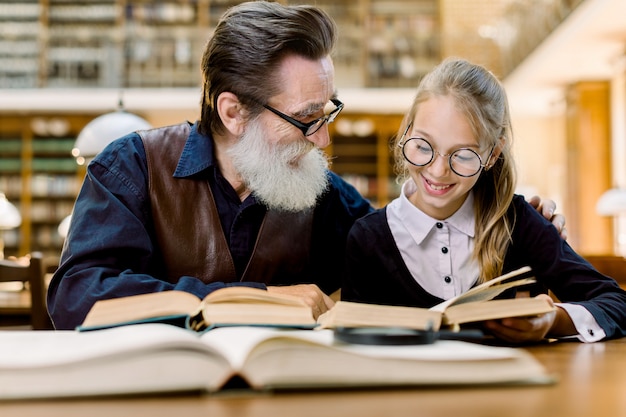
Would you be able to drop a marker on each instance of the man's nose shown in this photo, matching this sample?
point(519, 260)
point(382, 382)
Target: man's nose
point(321, 138)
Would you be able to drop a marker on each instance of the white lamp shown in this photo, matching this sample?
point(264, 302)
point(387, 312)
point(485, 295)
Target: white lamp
point(612, 202)
point(9, 219)
point(102, 130)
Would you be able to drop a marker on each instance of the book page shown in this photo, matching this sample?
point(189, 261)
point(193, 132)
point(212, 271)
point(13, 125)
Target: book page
point(140, 307)
point(30, 349)
point(496, 309)
point(145, 358)
point(349, 314)
point(488, 290)
point(294, 359)
point(250, 295)
point(216, 314)
point(236, 343)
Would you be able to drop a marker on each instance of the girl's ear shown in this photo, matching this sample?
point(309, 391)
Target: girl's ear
point(231, 112)
point(495, 154)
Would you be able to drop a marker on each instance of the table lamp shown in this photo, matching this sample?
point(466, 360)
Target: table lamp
point(9, 219)
point(104, 129)
point(613, 203)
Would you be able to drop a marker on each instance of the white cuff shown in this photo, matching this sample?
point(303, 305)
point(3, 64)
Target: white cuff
point(586, 325)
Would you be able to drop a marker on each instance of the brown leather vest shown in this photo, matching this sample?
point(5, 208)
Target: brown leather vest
point(189, 232)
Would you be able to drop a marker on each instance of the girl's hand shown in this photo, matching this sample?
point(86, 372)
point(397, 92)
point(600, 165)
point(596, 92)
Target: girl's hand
point(523, 329)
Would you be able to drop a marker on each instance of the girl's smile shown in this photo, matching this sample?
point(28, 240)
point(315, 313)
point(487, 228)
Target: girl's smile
point(436, 188)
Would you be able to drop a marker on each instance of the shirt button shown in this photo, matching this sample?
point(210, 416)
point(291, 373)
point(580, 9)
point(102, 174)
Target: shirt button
point(444, 250)
point(590, 331)
point(439, 225)
point(447, 279)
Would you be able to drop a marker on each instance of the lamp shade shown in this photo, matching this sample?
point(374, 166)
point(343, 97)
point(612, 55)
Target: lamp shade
point(612, 202)
point(102, 130)
point(9, 214)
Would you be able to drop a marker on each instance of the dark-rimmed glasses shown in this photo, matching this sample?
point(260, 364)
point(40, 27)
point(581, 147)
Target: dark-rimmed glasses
point(464, 162)
point(310, 128)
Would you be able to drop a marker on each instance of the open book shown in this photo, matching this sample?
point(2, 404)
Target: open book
point(252, 306)
point(157, 358)
point(475, 305)
point(226, 306)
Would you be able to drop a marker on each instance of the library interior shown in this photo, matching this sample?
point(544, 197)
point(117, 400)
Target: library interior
point(76, 75)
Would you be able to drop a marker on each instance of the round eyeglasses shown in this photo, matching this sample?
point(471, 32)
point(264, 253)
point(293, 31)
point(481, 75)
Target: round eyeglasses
point(418, 151)
point(311, 127)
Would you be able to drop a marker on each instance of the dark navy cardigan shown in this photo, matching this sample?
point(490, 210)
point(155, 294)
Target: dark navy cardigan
point(376, 273)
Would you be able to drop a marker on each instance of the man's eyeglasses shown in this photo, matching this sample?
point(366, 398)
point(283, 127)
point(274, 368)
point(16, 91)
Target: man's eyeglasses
point(464, 162)
point(310, 128)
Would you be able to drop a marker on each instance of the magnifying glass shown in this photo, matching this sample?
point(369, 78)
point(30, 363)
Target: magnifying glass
point(401, 336)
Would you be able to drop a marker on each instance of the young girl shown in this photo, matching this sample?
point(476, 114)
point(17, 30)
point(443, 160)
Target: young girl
point(458, 222)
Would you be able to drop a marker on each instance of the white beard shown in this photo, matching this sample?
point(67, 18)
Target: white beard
point(269, 172)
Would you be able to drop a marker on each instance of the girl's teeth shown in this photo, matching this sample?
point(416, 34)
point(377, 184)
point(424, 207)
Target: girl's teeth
point(439, 187)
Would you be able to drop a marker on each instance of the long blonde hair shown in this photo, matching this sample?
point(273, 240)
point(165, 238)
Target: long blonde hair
point(481, 97)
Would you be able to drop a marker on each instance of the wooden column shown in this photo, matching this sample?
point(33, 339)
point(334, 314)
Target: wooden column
point(588, 166)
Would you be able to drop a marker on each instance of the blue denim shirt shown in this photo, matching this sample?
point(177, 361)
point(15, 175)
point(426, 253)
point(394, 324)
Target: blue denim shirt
point(110, 248)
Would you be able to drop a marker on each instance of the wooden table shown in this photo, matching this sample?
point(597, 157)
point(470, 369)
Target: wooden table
point(592, 382)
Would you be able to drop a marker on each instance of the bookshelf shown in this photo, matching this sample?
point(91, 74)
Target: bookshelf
point(402, 42)
point(39, 175)
point(81, 46)
point(163, 42)
point(145, 44)
point(20, 43)
point(361, 153)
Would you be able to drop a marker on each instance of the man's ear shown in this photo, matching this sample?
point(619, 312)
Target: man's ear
point(231, 112)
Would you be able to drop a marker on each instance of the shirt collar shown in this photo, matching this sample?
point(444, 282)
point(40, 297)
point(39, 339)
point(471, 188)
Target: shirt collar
point(420, 224)
point(198, 154)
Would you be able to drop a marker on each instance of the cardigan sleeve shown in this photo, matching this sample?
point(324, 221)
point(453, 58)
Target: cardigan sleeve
point(563, 271)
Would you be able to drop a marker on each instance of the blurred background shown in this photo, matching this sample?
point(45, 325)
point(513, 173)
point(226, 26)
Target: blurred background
point(65, 65)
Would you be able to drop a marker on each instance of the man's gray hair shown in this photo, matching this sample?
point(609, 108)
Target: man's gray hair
point(247, 47)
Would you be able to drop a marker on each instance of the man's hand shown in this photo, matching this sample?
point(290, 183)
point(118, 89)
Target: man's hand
point(547, 209)
point(310, 294)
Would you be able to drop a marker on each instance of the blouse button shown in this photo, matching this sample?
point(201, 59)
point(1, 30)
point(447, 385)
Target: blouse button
point(444, 250)
point(447, 279)
point(439, 225)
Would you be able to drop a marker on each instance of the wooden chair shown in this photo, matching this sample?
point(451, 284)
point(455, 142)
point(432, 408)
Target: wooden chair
point(26, 305)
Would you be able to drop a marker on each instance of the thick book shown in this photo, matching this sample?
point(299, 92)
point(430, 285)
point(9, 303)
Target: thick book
point(160, 358)
point(223, 307)
point(475, 305)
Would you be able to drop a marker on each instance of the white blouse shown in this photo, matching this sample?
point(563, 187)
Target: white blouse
point(447, 244)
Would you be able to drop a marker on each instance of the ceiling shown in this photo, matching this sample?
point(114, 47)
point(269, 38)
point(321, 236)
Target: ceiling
point(589, 45)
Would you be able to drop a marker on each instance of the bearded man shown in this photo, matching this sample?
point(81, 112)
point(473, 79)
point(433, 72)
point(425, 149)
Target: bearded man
point(241, 197)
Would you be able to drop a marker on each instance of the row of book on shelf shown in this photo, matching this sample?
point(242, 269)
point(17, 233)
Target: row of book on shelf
point(42, 185)
point(44, 236)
